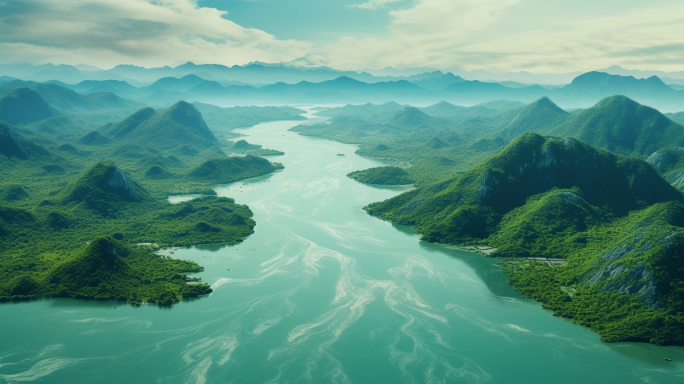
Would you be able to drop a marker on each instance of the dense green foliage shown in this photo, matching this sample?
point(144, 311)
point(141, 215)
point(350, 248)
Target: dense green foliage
point(535, 117)
point(245, 148)
point(44, 241)
point(433, 147)
point(53, 201)
point(222, 171)
point(107, 269)
point(389, 175)
point(621, 125)
point(470, 205)
point(612, 218)
point(180, 125)
point(624, 279)
point(13, 144)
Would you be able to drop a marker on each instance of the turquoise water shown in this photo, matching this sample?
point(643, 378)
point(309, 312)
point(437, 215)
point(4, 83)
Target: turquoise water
point(322, 293)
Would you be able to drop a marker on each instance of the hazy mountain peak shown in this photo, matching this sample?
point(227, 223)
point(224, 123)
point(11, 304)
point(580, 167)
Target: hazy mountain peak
point(620, 124)
point(186, 114)
point(617, 100)
point(410, 116)
point(545, 102)
point(23, 106)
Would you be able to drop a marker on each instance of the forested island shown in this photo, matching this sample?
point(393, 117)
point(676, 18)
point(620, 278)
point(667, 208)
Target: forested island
point(82, 213)
point(389, 175)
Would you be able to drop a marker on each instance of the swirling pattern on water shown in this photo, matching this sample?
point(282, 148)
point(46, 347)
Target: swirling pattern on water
point(321, 293)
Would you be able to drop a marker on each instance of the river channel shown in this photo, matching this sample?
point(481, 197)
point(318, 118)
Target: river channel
point(321, 293)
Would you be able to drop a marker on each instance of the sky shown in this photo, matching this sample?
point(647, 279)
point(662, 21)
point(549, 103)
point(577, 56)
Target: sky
point(538, 36)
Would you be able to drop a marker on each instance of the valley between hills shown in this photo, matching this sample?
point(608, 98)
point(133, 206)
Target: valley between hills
point(86, 170)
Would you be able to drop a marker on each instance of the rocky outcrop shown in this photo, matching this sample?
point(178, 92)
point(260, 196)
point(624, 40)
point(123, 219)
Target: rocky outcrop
point(489, 182)
point(118, 181)
point(622, 271)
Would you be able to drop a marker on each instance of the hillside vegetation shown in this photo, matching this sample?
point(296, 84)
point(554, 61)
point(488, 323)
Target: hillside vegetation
point(613, 219)
point(42, 246)
point(389, 175)
point(75, 206)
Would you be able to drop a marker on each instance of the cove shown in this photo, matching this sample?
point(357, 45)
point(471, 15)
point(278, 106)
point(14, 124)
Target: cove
point(321, 293)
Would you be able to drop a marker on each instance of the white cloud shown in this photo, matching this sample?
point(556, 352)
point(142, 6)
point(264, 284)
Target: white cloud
point(373, 4)
point(497, 35)
point(141, 32)
point(493, 35)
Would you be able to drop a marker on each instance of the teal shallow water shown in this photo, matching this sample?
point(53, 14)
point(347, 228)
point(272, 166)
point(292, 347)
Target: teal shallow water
point(321, 292)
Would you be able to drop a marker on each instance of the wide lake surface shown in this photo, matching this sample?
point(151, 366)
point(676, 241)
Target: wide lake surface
point(322, 293)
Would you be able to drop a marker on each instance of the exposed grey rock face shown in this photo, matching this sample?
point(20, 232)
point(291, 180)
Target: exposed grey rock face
point(571, 197)
point(569, 143)
point(668, 162)
point(489, 182)
point(410, 207)
point(661, 160)
point(623, 273)
point(118, 181)
point(676, 178)
point(189, 116)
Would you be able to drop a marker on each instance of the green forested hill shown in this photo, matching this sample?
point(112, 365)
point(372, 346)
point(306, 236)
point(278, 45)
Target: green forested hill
point(182, 124)
point(468, 206)
point(103, 188)
point(41, 247)
point(228, 170)
point(614, 220)
point(24, 106)
point(433, 147)
point(623, 126)
point(389, 175)
point(535, 117)
point(243, 147)
point(71, 221)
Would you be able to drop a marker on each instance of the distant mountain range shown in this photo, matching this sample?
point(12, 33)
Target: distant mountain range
point(583, 92)
point(263, 84)
point(257, 73)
